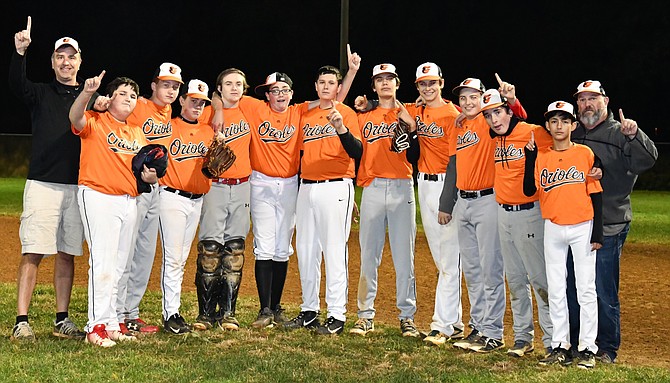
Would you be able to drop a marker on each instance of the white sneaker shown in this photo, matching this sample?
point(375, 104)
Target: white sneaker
point(98, 337)
point(118, 336)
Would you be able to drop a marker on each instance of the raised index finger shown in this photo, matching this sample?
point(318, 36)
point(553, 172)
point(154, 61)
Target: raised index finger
point(500, 81)
point(532, 136)
point(348, 50)
point(29, 25)
point(621, 115)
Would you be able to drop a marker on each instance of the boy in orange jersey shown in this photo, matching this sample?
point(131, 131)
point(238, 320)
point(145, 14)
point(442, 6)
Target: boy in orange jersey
point(330, 144)
point(471, 169)
point(181, 193)
point(519, 222)
point(560, 174)
point(225, 221)
point(107, 191)
point(388, 199)
point(153, 116)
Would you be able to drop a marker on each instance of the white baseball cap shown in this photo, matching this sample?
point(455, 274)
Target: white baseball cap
point(67, 41)
point(428, 71)
point(272, 79)
point(169, 71)
point(561, 106)
point(383, 68)
point(473, 83)
point(198, 89)
point(590, 86)
point(491, 99)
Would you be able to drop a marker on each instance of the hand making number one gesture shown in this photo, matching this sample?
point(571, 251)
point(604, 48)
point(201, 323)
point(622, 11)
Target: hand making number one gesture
point(628, 126)
point(506, 90)
point(22, 38)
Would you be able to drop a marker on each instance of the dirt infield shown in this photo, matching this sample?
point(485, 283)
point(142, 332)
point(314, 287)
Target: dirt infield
point(644, 284)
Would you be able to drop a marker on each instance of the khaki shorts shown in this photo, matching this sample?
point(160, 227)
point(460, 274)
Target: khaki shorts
point(50, 221)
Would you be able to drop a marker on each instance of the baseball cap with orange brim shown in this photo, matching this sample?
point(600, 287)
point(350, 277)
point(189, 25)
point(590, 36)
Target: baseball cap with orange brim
point(167, 72)
point(472, 83)
point(271, 80)
point(382, 69)
point(491, 99)
point(428, 71)
point(197, 89)
point(63, 41)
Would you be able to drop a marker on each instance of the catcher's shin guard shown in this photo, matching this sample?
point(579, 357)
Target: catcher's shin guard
point(208, 277)
point(233, 261)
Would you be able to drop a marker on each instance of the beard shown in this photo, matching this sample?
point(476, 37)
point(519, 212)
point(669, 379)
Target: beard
point(592, 119)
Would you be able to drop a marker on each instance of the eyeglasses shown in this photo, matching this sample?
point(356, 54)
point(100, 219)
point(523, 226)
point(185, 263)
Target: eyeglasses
point(277, 92)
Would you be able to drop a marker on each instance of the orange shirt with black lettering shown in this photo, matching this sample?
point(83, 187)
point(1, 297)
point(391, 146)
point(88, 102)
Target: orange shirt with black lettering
point(324, 156)
point(275, 137)
point(510, 162)
point(107, 150)
point(238, 136)
point(378, 161)
point(188, 144)
point(563, 184)
point(434, 129)
point(474, 149)
point(153, 119)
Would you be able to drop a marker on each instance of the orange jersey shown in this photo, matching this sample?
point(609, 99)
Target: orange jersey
point(188, 144)
point(154, 121)
point(564, 188)
point(378, 161)
point(510, 162)
point(238, 137)
point(435, 128)
point(275, 141)
point(474, 148)
point(107, 150)
point(324, 156)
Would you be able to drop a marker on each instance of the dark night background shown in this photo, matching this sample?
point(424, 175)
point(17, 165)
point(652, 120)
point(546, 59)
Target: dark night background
point(544, 48)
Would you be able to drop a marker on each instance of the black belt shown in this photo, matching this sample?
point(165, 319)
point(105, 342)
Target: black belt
point(475, 194)
point(431, 177)
point(182, 193)
point(305, 181)
point(523, 206)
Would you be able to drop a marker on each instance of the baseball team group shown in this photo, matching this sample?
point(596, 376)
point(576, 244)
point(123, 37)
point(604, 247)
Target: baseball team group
point(545, 207)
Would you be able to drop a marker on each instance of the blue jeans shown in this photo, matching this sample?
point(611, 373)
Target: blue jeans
point(607, 288)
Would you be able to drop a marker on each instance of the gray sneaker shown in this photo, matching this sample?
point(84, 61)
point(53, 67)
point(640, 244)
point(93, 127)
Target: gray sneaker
point(22, 333)
point(520, 348)
point(68, 330)
point(265, 319)
point(469, 340)
point(408, 328)
point(362, 327)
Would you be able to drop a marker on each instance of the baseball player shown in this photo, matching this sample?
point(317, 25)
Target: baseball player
point(519, 221)
point(181, 192)
point(560, 175)
point(387, 200)
point(225, 221)
point(50, 222)
point(330, 143)
point(153, 116)
point(435, 121)
point(625, 152)
point(471, 169)
point(106, 197)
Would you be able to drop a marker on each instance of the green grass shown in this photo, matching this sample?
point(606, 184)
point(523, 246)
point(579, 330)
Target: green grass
point(263, 356)
point(11, 195)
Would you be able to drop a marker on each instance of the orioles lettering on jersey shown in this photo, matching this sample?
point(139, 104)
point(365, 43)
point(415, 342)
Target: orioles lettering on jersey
point(509, 153)
point(550, 180)
point(156, 131)
point(181, 151)
point(372, 132)
point(122, 145)
point(269, 134)
point(236, 131)
point(317, 132)
point(429, 131)
point(467, 140)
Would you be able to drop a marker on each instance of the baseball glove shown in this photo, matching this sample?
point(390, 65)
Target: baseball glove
point(400, 141)
point(218, 159)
